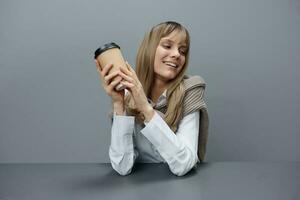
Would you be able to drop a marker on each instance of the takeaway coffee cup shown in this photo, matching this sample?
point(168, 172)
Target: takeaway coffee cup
point(111, 53)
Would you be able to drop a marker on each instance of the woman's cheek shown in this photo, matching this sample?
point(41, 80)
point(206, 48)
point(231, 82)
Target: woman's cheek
point(182, 62)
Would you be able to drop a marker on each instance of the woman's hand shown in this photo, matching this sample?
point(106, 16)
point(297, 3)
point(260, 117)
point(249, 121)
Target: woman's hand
point(134, 86)
point(109, 84)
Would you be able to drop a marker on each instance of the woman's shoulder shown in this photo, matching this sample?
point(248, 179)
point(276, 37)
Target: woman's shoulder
point(193, 81)
point(194, 94)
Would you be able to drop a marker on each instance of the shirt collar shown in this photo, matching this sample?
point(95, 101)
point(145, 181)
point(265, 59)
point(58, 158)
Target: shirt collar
point(161, 99)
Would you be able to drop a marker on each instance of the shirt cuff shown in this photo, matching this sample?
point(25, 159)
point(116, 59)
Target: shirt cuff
point(123, 124)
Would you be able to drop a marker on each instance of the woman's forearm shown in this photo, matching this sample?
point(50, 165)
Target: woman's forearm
point(121, 150)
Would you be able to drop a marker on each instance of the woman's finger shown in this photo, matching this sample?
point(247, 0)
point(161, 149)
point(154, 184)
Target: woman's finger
point(97, 63)
point(131, 70)
point(110, 76)
point(126, 77)
point(129, 67)
point(127, 84)
point(114, 83)
point(97, 66)
point(106, 69)
point(126, 71)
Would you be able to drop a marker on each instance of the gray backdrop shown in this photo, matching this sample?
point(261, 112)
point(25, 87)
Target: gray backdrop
point(52, 105)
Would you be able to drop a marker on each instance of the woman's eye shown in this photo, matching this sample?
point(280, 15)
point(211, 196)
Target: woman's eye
point(182, 52)
point(167, 46)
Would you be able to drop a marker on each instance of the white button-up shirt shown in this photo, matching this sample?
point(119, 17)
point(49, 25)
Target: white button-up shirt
point(154, 143)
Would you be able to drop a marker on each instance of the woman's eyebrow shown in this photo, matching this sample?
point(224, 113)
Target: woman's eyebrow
point(171, 41)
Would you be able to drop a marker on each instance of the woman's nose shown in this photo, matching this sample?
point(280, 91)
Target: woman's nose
point(175, 53)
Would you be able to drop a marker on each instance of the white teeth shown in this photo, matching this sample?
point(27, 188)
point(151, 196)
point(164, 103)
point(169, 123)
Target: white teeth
point(171, 64)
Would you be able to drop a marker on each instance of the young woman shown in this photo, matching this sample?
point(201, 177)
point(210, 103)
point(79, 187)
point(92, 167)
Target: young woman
point(161, 115)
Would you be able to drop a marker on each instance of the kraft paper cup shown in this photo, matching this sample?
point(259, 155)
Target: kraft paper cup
point(111, 53)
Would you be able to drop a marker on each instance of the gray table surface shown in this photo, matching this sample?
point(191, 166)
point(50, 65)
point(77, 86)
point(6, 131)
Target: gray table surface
point(219, 180)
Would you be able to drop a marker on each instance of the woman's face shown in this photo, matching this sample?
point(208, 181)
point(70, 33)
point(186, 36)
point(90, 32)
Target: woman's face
point(170, 56)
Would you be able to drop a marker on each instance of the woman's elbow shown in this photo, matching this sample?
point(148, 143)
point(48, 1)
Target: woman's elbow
point(122, 171)
point(121, 163)
point(182, 168)
point(179, 173)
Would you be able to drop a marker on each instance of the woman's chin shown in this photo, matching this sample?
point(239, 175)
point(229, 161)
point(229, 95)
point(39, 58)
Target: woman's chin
point(170, 77)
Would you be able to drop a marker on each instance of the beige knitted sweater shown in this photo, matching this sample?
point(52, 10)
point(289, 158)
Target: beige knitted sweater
point(193, 101)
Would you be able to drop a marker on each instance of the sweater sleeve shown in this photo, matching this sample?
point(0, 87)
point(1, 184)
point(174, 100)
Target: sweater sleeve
point(121, 151)
point(179, 150)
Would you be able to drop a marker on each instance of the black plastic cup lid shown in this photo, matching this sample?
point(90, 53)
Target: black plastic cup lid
point(105, 47)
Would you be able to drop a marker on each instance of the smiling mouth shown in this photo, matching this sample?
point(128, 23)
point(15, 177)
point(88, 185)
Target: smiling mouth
point(173, 65)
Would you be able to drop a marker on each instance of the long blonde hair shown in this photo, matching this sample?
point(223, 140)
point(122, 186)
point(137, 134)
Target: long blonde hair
point(145, 73)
